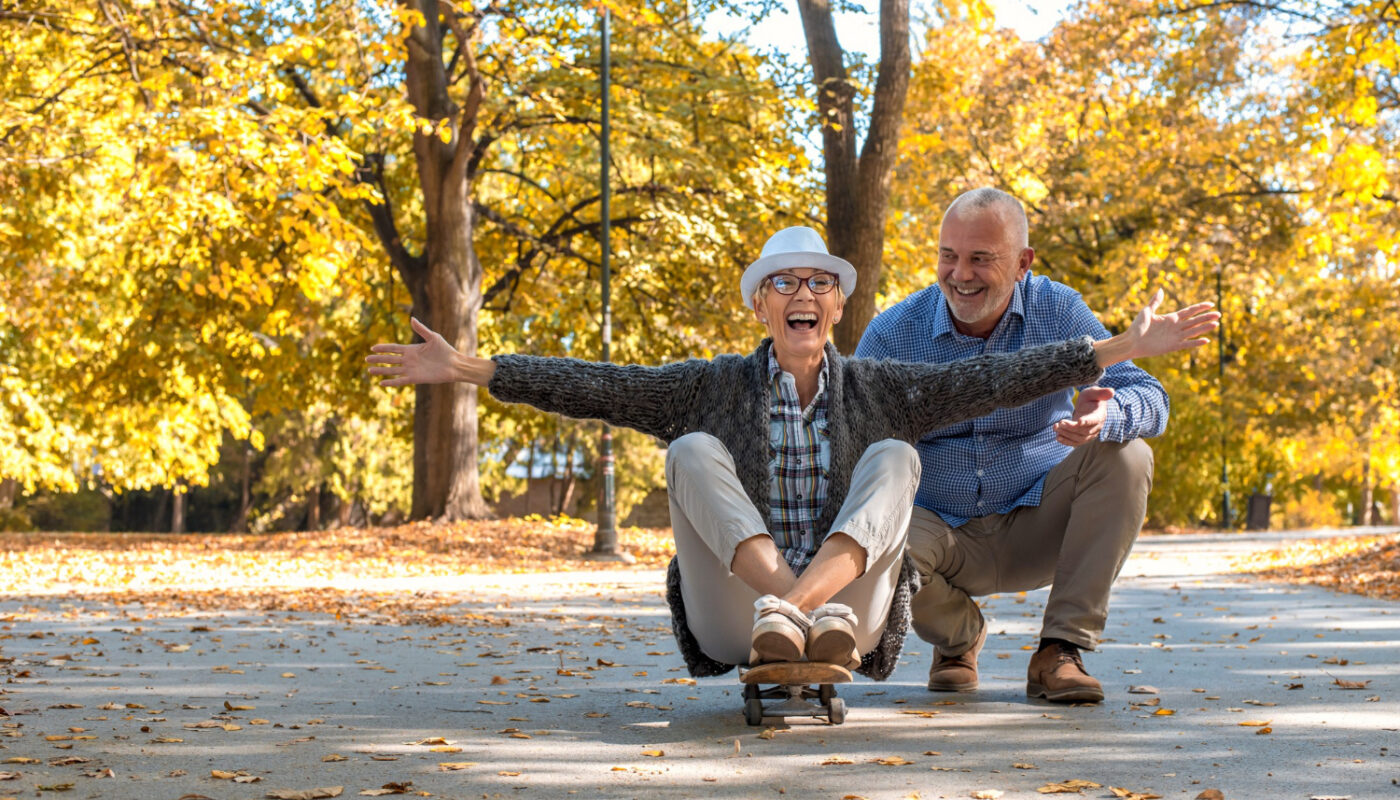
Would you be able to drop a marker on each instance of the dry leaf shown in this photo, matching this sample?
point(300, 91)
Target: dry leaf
point(1057, 788)
point(1020, 765)
point(986, 794)
point(1338, 682)
point(1142, 690)
point(1211, 794)
point(892, 761)
point(654, 753)
point(389, 788)
point(1263, 731)
point(305, 794)
point(1163, 712)
point(334, 757)
point(1254, 723)
point(453, 766)
point(835, 760)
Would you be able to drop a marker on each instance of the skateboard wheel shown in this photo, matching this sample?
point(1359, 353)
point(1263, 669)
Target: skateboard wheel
point(836, 712)
point(750, 691)
point(825, 693)
point(753, 711)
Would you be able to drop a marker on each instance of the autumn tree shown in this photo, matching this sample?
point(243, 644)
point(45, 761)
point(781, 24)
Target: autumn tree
point(857, 174)
point(227, 202)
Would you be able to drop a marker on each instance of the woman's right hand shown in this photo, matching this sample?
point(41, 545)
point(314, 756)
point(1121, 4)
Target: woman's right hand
point(432, 361)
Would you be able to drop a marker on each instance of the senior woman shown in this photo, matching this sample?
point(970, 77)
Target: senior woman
point(790, 470)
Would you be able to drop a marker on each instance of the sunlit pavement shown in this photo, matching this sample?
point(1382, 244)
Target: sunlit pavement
point(569, 685)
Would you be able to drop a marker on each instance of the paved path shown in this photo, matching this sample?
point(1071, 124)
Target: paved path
point(565, 686)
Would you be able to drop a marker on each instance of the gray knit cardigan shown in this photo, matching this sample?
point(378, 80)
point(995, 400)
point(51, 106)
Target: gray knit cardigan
point(728, 398)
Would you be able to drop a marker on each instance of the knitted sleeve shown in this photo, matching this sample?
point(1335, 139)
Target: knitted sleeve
point(654, 400)
point(931, 396)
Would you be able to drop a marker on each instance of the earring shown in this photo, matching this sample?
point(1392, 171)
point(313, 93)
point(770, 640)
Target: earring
point(764, 320)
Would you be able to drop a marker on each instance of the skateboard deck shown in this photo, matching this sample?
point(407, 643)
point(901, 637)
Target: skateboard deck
point(793, 689)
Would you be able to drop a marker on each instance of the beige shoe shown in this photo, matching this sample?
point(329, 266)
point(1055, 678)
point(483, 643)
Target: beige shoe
point(832, 637)
point(956, 673)
point(779, 631)
point(1057, 674)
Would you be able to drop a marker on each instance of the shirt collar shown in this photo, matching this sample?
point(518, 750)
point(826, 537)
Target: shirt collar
point(774, 371)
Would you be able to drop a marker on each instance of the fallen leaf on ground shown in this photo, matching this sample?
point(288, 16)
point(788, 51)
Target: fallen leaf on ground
point(835, 760)
point(305, 794)
point(453, 766)
point(1074, 786)
point(986, 794)
point(1341, 684)
point(1129, 794)
point(654, 753)
point(389, 788)
point(1211, 794)
point(892, 761)
point(1254, 723)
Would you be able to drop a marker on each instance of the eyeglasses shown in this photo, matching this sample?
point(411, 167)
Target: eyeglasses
point(787, 283)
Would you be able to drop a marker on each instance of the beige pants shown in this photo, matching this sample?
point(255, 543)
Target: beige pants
point(711, 515)
point(1076, 540)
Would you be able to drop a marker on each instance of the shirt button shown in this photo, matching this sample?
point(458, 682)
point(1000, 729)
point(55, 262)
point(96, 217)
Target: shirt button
point(799, 497)
point(980, 504)
point(980, 473)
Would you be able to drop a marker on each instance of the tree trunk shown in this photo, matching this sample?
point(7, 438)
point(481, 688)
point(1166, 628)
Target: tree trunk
point(858, 186)
point(1395, 503)
point(245, 494)
point(9, 490)
point(1367, 488)
point(445, 281)
point(313, 508)
point(177, 510)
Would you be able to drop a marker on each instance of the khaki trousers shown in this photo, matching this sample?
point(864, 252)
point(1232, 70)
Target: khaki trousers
point(1076, 540)
point(711, 515)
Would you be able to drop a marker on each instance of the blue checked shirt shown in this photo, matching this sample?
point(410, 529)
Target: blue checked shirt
point(801, 456)
point(998, 462)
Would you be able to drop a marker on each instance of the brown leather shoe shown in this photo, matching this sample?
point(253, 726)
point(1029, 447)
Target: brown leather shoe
point(1057, 674)
point(956, 673)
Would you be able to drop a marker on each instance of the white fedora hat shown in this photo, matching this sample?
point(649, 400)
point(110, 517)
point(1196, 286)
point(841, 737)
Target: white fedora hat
point(795, 248)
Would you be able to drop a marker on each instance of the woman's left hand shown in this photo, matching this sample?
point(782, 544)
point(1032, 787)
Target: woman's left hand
point(1153, 334)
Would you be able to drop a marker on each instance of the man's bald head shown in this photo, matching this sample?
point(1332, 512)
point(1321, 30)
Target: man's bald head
point(1004, 205)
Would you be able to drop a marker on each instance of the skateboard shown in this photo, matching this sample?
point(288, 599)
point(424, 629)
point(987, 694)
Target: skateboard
point(793, 686)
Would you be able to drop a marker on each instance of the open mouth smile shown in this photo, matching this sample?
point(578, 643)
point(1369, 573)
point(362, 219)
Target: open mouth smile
point(802, 320)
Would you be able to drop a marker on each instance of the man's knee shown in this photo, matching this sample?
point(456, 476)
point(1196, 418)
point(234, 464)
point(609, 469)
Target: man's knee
point(1132, 459)
point(690, 451)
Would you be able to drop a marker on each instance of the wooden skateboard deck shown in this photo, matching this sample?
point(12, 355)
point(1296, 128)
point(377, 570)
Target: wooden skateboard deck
point(793, 686)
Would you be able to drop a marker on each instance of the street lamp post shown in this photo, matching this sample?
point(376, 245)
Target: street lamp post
point(605, 539)
point(1224, 420)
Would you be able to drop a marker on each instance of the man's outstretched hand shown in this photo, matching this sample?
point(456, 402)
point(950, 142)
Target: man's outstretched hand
point(1087, 421)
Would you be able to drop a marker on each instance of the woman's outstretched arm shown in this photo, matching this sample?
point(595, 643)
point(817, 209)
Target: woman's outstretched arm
point(658, 401)
point(431, 361)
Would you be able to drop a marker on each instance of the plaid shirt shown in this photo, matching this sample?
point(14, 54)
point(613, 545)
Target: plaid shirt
point(998, 462)
point(801, 458)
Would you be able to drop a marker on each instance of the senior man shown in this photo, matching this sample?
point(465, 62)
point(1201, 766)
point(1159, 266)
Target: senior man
point(1053, 492)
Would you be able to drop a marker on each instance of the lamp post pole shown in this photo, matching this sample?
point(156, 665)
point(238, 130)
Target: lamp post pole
point(605, 539)
point(1224, 426)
